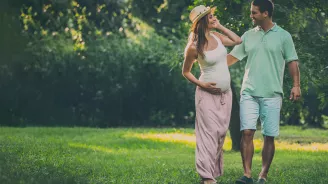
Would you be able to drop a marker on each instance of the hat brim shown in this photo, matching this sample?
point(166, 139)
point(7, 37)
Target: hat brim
point(212, 10)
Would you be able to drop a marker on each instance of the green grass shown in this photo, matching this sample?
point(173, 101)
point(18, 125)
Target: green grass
point(131, 156)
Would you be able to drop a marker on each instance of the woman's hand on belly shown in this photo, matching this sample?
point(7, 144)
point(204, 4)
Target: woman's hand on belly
point(210, 87)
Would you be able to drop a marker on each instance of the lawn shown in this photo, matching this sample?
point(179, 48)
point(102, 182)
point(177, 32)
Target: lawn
point(139, 155)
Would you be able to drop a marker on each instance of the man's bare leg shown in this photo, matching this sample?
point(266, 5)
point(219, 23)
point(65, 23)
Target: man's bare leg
point(247, 151)
point(267, 155)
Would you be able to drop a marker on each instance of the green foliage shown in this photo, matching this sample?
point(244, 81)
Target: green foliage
point(59, 85)
point(165, 16)
point(76, 71)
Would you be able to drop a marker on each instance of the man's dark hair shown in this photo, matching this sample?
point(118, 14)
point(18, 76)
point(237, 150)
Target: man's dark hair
point(264, 5)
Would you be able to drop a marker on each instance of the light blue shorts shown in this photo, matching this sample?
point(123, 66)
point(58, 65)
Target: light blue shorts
point(268, 109)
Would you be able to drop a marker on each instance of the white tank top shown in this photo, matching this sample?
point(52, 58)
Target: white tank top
point(214, 67)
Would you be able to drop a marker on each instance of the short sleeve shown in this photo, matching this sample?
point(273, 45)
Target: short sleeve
point(289, 51)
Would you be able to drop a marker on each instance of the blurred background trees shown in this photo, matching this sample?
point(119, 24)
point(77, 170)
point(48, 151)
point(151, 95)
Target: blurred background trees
point(109, 63)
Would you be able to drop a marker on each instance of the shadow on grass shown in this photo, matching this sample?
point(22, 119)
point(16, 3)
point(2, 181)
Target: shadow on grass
point(46, 161)
point(14, 170)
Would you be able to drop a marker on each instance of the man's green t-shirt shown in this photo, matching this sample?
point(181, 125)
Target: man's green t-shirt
point(267, 54)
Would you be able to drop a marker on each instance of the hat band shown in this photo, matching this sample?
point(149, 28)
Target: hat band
point(199, 14)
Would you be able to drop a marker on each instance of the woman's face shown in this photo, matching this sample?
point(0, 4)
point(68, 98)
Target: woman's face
point(211, 21)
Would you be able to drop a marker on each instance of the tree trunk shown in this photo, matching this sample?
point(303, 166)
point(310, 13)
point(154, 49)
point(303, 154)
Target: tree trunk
point(295, 118)
point(235, 133)
point(314, 117)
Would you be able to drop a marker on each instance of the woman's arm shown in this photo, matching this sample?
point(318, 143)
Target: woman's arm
point(231, 39)
point(189, 59)
point(231, 60)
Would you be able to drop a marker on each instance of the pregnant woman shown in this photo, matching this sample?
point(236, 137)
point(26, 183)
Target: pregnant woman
point(213, 96)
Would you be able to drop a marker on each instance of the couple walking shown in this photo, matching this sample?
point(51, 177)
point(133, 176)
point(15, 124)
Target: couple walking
point(268, 48)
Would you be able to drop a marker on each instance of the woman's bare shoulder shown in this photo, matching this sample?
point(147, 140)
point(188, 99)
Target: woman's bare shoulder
point(191, 49)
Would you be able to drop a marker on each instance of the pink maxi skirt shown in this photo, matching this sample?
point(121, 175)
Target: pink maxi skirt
point(212, 122)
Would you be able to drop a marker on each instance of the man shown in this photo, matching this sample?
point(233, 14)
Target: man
point(269, 48)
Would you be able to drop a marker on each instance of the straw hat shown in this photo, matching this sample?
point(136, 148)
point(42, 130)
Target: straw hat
point(200, 11)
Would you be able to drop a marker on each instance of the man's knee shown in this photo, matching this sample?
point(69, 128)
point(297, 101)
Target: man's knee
point(269, 139)
point(248, 134)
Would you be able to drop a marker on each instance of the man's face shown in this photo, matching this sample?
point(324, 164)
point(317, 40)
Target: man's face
point(256, 16)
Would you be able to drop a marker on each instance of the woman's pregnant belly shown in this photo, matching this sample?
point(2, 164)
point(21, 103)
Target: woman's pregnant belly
point(222, 79)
